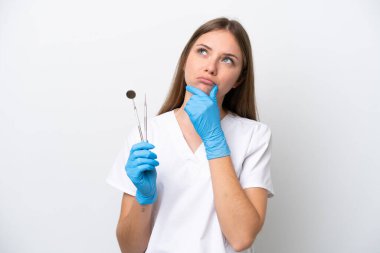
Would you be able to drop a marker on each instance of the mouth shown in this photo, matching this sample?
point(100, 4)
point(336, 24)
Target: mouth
point(205, 81)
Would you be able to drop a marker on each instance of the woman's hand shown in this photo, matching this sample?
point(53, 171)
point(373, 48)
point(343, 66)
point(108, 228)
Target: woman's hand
point(204, 113)
point(141, 169)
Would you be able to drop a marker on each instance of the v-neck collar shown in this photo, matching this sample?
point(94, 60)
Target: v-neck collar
point(182, 145)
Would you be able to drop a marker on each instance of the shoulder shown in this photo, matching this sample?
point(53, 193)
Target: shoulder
point(161, 117)
point(248, 126)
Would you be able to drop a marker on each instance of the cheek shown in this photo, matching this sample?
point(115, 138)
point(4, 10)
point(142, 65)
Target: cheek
point(229, 81)
point(231, 78)
point(190, 64)
point(189, 69)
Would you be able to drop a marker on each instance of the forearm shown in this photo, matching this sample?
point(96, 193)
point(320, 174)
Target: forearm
point(133, 231)
point(238, 218)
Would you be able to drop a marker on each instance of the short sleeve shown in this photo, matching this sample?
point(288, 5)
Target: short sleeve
point(117, 176)
point(256, 165)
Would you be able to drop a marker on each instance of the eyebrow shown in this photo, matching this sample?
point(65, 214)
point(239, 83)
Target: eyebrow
point(211, 50)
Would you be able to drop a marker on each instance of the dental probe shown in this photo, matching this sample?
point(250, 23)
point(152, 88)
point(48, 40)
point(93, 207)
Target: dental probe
point(145, 120)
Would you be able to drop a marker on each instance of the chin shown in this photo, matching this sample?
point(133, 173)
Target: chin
point(206, 88)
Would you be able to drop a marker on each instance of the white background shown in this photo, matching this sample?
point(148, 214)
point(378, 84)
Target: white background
point(65, 67)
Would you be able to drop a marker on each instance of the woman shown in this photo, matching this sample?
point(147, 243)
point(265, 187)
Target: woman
point(205, 186)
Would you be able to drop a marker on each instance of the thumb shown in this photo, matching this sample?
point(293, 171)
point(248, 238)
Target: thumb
point(214, 91)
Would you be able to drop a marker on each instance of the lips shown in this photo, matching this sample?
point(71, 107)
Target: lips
point(205, 80)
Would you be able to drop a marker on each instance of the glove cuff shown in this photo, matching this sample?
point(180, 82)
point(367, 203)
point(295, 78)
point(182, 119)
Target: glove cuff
point(146, 200)
point(217, 148)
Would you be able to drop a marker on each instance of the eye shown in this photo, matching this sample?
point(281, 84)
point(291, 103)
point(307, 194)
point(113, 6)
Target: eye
point(200, 50)
point(232, 62)
point(203, 51)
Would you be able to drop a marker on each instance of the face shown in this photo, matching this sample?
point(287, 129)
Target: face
point(215, 56)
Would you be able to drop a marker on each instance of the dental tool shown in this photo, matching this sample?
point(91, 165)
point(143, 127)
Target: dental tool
point(131, 94)
point(145, 120)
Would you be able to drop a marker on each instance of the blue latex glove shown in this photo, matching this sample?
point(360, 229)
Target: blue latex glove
point(141, 169)
point(204, 113)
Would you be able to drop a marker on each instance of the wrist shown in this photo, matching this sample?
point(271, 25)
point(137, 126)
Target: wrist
point(217, 148)
point(146, 200)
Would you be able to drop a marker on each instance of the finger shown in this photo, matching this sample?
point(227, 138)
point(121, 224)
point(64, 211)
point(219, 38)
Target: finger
point(195, 91)
point(142, 146)
point(198, 104)
point(214, 91)
point(140, 161)
point(198, 99)
point(145, 167)
point(190, 103)
point(188, 109)
point(143, 154)
point(192, 100)
point(193, 111)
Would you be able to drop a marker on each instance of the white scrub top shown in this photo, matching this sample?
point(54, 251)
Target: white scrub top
point(184, 214)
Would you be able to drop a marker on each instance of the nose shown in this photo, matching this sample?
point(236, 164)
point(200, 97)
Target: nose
point(211, 67)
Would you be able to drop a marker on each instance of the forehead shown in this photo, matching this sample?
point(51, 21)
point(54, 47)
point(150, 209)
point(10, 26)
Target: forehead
point(220, 40)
